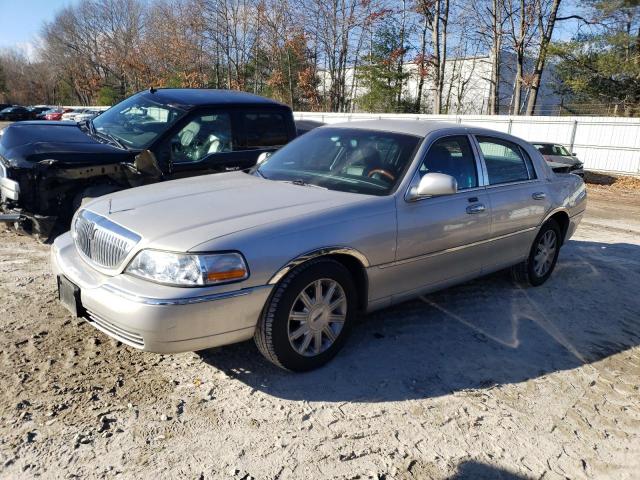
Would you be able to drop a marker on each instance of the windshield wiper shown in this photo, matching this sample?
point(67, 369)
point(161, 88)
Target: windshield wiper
point(112, 138)
point(302, 183)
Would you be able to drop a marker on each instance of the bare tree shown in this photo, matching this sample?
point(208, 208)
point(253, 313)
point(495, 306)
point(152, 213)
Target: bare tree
point(547, 13)
point(522, 26)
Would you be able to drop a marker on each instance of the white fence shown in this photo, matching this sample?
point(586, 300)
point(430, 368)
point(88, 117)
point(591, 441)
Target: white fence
point(608, 144)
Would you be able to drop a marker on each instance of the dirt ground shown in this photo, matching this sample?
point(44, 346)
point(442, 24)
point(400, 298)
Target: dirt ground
point(484, 380)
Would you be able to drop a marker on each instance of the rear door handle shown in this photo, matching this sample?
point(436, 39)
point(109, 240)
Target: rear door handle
point(477, 208)
point(539, 196)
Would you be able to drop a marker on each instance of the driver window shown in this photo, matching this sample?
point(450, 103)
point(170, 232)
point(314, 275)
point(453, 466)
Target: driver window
point(202, 136)
point(452, 156)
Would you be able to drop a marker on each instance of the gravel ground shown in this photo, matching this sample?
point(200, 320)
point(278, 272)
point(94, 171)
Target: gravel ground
point(484, 380)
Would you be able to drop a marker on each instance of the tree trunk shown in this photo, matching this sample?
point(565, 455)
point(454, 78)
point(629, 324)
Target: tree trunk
point(423, 54)
point(435, 35)
point(443, 53)
point(542, 56)
point(517, 91)
point(494, 95)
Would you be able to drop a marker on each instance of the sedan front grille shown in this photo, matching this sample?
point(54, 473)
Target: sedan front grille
point(103, 242)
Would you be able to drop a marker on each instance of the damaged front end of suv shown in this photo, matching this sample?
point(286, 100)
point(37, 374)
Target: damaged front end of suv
point(47, 171)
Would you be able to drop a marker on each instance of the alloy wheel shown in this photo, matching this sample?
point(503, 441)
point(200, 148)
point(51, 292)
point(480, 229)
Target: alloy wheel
point(545, 253)
point(317, 317)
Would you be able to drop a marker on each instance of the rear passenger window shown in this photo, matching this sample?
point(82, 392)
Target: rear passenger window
point(506, 162)
point(264, 129)
point(452, 156)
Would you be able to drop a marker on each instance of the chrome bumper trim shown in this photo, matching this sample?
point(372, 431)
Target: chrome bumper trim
point(181, 301)
point(125, 336)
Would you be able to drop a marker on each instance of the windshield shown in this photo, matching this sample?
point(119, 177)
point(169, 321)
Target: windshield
point(137, 121)
point(350, 160)
point(550, 149)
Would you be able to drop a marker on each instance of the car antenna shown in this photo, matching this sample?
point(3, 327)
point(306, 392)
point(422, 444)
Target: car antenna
point(152, 90)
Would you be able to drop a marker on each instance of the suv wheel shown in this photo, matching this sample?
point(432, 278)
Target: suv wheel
point(308, 316)
point(537, 268)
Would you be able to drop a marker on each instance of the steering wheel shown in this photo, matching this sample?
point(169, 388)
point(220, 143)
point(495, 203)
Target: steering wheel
point(383, 172)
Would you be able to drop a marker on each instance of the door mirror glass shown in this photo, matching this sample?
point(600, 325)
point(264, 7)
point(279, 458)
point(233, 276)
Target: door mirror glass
point(263, 157)
point(432, 185)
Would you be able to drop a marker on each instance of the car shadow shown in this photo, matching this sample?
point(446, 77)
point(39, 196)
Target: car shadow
point(483, 333)
point(473, 470)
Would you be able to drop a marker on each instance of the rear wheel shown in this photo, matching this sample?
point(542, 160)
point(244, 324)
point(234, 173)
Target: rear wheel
point(308, 316)
point(540, 263)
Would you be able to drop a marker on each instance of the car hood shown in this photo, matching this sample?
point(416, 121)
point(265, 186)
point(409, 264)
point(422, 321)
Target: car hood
point(31, 142)
point(181, 214)
point(562, 159)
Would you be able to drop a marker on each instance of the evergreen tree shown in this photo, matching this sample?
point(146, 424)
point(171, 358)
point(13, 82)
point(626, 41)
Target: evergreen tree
point(380, 78)
point(604, 65)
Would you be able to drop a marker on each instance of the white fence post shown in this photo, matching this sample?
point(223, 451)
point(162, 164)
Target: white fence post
point(573, 136)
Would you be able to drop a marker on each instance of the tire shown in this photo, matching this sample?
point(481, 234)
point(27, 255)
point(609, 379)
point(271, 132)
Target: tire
point(286, 315)
point(529, 273)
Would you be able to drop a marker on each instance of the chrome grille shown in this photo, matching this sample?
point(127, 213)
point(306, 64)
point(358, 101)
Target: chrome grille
point(102, 241)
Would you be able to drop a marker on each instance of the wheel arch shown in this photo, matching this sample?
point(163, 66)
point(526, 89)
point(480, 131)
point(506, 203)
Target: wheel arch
point(353, 260)
point(562, 218)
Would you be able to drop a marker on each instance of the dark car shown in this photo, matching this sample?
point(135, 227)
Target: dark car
point(305, 126)
point(38, 113)
point(15, 114)
point(559, 158)
point(47, 169)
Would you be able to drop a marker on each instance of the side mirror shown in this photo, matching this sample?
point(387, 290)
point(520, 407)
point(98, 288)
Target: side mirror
point(574, 154)
point(263, 157)
point(147, 164)
point(433, 185)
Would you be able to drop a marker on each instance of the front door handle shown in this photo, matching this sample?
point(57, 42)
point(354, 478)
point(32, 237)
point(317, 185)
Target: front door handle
point(477, 208)
point(539, 196)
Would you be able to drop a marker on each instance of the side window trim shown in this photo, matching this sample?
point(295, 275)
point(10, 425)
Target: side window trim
point(480, 172)
point(484, 164)
point(528, 162)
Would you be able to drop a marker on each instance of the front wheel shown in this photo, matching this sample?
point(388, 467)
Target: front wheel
point(539, 265)
point(308, 316)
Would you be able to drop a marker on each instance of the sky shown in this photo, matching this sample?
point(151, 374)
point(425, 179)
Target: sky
point(21, 20)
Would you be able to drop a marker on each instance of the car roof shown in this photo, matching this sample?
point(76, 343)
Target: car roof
point(196, 97)
point(420, 128)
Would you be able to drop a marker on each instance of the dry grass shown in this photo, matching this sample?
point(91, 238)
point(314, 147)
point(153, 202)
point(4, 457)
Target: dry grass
point(622, 182)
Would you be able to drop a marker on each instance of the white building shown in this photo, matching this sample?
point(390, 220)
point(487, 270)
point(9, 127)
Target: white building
point(467, 87)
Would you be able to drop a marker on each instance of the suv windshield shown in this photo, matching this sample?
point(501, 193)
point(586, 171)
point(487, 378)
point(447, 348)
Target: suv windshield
point(350, 160)
point(549, 149)
point(137, 121)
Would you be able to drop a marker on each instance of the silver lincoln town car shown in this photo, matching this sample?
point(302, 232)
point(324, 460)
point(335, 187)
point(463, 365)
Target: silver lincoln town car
point(346, 219)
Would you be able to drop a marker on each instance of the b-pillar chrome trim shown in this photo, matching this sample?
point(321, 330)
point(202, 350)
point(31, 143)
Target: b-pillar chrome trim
point(318, 253)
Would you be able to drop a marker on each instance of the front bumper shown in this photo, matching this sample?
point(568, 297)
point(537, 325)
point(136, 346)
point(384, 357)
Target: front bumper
point(158, 318)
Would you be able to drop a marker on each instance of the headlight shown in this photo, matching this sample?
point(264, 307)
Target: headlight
point(188, 270)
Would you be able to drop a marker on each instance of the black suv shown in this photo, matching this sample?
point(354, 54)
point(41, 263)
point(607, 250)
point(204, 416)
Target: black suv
point(47, 169)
